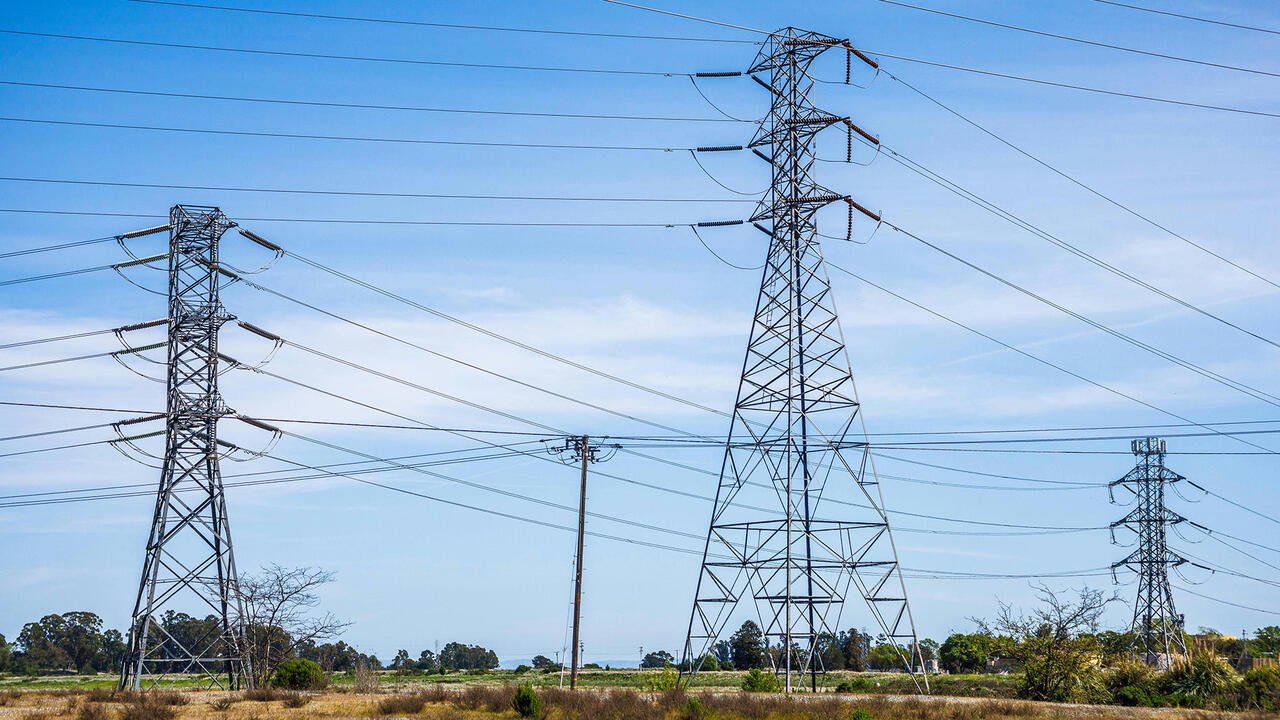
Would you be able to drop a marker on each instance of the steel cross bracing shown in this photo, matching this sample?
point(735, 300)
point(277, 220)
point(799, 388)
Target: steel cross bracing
point(189, 565)
point(795, 408)
point(1157, 626)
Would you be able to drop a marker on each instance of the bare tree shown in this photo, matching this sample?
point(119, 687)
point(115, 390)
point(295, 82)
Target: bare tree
point(278, 615)
point(1055, 644)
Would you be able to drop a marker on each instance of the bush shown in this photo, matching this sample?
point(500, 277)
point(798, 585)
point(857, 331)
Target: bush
point(1198, 678)
point(757, 681)
point(1261, 688)
point(296, 700)
point(92, 711)
point(410, 704)
point(526, 702)
point(147, 708)
point(522, 669)
point(298, 674)
point(693, 709)
point(860, 714)
point(854, 685)
point(1132, 696)
point(663, 680)
point(223, 704)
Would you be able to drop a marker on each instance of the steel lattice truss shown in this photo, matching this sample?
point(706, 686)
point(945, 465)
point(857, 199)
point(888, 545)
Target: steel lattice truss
point(769, 548)
point(1157, 626)
point(189, 565)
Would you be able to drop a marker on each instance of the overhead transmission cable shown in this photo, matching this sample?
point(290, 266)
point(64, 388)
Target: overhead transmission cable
point(335, 221)
point(369, 106)
point(57, 246)
point(344, 138)
point(362, 193)
point(357, 58)
point(1000, 212)
point(1190, 17)
point(1082, 41)
point(450, 26)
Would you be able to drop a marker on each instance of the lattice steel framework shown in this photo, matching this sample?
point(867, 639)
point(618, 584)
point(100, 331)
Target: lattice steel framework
point(189, 563)
point(1157, 626)
point(795, 409)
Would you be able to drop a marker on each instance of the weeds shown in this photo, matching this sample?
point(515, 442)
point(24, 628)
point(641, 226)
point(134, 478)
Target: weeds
point(403, 704)
point(147, 707)
point(92, 711)
point(223, 704)
point(10, 696)
point(264, 694)
point(296, 700)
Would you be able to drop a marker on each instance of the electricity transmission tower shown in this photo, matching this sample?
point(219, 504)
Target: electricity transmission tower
point(1157, 626)
point(769, 548)
point(189, 562)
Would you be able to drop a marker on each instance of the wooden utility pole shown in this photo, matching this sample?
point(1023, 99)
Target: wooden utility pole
point(585, 452)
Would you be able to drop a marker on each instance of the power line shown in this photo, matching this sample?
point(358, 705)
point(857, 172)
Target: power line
point(450, 26)
point(403, 61)
point(51, 276)
point(1079, 183)
point(368, 106)
point(1199, 370)
point(1229, 501)
point(57, 338)
point(11, 403)
point(1225, 602)
point(1020, 351)
point(335, 221)
point(343, 138)
point(357, 193)
point(1083, 41)
point(59, 246)
point(1190, 17)
point(1070, 86)
point(1073, 249)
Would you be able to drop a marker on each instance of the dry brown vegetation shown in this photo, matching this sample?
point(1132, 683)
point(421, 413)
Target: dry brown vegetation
point(493, 702)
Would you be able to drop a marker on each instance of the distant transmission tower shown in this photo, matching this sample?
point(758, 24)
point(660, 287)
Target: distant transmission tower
point(189, 564)
point(796, 405)
point(1157, 626)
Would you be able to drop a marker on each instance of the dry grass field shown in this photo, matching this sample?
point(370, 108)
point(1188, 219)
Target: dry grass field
point(491, 702)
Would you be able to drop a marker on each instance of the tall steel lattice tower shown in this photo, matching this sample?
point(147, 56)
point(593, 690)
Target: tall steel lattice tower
point(189, 565)
point(1157, 626)
point(768, 547)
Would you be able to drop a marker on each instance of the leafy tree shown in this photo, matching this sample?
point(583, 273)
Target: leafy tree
point(855, 646)
point(37, 643)
point(929, 649)
point(885, 656)
point(457, 656)
point(747, 648)
point(401, 661)
point(526, 702)
point(1055, 645)
point(1266, 642)
point(426, 660)
point(6, 655)
point(724, 654)
point(542, 662)
point(829, 652)
point(660, 658)
point(962, 653)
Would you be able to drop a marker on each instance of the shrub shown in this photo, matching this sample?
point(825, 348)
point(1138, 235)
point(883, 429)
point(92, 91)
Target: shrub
point(298, 674)
point(1198, 678)
point(663, 680)
point(92, 711)
point(854, 685)
point(860, 714)
point(757, 681)
point(365, 678)
point(296, 700)
point(526, 702)
point(410, 704)
point(262, 694)
point(147, 708)
point(1261, 688)
point(1132, 696)
point(693, 709)
point(223, 704)
point(522, 669)
point(1132, 674)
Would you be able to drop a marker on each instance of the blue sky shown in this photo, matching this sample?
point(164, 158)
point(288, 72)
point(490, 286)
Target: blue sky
point(647, 304)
